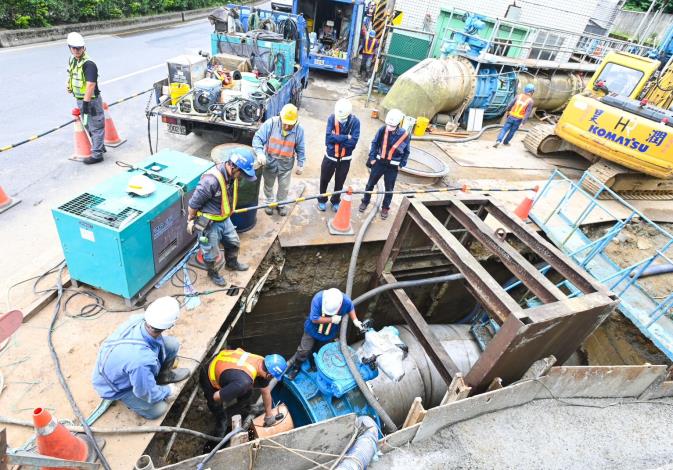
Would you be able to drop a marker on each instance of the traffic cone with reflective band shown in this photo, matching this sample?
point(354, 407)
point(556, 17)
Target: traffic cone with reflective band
point(112, 138)
point(341, 223)
point(82, 141)
point(6, 202)
point(525, 206)
point(54, 440)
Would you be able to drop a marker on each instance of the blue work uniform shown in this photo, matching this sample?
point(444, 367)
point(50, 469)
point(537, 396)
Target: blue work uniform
point(340, 141)
point(389, 151)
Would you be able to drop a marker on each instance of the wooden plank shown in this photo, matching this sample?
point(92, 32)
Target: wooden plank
point(458, 390)
point(416, 413)
point(391, 249)
point(433, 348)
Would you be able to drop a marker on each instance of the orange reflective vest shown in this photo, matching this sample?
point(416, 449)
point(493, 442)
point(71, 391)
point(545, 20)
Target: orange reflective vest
point(237, 359)
point(324, 328)
point(369, 46)
point(339, 151)
point(520, 106)
point(387, 153)
point(225, 208)
point(279, 145)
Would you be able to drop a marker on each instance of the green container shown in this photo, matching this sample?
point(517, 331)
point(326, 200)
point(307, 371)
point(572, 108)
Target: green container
point(407, 49)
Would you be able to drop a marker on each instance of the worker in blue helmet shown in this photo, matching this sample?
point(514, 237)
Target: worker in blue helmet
point(368, 50)
point(518, 112)
point(211, 206)
point(230, 378)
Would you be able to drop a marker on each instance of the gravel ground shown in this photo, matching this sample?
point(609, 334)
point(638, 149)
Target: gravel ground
point(551, 435)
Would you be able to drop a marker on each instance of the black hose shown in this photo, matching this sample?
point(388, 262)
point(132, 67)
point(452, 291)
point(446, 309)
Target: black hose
point(404, 284)
point(219, 445)
point(463, 139)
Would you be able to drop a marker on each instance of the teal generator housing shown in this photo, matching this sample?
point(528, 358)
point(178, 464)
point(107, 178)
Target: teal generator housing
point(121, 243)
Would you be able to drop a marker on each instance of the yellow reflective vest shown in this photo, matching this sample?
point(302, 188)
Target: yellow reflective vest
point(225, 209)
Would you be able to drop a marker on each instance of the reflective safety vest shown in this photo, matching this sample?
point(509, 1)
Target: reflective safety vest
point(519, 109)
point(387, 153)
point(225, 208)
point(237, 359)
point(279, 145)
point(76, 79)
point(339, 151)
point(369, 46)
point(324, 328)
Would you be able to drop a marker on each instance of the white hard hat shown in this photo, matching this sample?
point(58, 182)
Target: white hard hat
point(162, 313)
point(140, 185)
point(75, 40)
point(331, 301)
point(329, 23)
point(394, 117)
point(342, 109)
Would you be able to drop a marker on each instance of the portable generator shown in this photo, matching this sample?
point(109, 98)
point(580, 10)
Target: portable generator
point(123, 243)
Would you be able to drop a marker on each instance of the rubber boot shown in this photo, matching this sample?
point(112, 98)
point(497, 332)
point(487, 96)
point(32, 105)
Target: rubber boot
point(172, 376)
point(232, 263)
point(214, 274)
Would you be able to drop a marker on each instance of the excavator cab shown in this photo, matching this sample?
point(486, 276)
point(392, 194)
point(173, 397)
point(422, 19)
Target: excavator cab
point(623, 74)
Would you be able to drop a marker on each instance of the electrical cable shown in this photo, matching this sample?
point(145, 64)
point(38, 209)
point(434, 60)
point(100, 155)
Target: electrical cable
point(219, 445)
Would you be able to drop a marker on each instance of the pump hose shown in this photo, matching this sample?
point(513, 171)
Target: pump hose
point(439, 138)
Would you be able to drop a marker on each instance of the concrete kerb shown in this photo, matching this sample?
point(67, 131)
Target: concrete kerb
point(32, 36)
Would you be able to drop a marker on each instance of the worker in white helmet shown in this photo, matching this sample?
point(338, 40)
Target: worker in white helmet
point(323, 324)
point(135, 363)
point(341, 137)
point(389, 152)
point(83, 84)
point(277, 143)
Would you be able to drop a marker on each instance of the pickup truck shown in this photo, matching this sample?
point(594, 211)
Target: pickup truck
point(293, 83)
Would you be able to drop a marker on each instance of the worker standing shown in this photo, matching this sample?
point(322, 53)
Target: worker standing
point(231, 375)
point(83, 84)
point(518, 112)
point(368, 51)
point(210, 209)
point(341, 137)
point(323, 324)
point(388, 153)
point(277, 142)
point(135, 363)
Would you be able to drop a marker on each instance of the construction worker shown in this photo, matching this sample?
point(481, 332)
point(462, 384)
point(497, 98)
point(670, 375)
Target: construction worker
point(83, 84)
point(341, 137)
point(211, 206)
point(368, 51)
point(135, 363)
point(231, 376)
point(277, 142)
point(323, 324)
point(518, 112)
point(389, 152)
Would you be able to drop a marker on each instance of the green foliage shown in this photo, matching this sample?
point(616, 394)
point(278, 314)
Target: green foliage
point(643, 5)
point(16, 14)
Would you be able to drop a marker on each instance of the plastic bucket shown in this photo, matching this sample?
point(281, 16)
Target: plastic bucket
point(177, 91)
point(421, 125)
point(249, 83)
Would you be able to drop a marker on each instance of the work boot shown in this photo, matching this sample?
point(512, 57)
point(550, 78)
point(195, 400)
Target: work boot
point(291, 374)
point(282, 211)
point(268, 211)
point(496, 145)
point(363, 207)
point(506, 144)
point(384, 212)
point(214, 274)
point(233, 264)
point(172, 376)
point(335, 207)
point(92, 160)
point(322, 207)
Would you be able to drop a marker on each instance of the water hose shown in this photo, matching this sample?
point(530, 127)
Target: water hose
point(439, 138)
point(361, 453)
point(219, 445)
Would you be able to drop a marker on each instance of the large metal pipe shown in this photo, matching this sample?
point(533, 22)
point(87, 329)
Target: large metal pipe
point(553, 92)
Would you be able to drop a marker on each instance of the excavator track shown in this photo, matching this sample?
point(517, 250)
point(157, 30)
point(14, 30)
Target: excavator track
point(608, 174)
point(537, 137)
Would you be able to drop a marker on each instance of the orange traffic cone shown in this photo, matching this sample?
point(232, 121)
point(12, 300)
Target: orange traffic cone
point(54, 440)
point(524, 208)
point(82, 140)
point(341, 223)
point(112, 138)
point(198, 262)
point(5, 201)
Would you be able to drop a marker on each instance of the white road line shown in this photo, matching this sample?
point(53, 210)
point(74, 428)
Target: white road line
point(123, 77)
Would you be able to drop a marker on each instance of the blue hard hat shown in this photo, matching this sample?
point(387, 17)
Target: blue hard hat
point(244, 160)
point(276, 365)
point(530, 88)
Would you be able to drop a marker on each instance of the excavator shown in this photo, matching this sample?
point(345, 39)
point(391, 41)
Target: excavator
point(623, 124)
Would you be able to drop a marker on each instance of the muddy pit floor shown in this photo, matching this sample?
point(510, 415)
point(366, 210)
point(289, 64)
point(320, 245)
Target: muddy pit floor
point(548, 434)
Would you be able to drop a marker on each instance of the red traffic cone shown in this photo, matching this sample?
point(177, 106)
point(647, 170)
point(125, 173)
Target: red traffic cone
point(82, 140)
point(6, 202)
point(54, 440)
point(341, 223)
point(112, 138)
point(525, 206)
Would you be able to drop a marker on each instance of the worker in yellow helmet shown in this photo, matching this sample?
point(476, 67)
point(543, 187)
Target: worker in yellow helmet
point(277, 143)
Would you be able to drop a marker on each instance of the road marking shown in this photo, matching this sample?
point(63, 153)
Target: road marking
point(123, 77)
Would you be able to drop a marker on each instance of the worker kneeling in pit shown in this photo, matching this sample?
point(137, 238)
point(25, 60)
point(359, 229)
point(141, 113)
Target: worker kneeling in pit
point(231, 377)
point(323, 324)
point(210, 209)
point(135, 363)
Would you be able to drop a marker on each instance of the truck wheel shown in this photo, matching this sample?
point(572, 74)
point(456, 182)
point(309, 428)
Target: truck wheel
point(296, 99)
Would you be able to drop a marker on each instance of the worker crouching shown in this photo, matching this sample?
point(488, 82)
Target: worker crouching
point(388, 153)
point(231, 376)
point(135, 363)
point(210, 209)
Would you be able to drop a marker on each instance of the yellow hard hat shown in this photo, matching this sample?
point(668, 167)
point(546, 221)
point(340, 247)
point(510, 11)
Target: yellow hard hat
point(289, 114)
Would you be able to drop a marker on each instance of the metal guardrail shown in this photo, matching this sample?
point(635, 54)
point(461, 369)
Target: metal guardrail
point(560, 210)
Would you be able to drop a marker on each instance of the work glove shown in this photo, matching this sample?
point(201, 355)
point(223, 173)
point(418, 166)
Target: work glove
point(370, 163)
point(336, 319)
point(260, 159)
point(172, 393)
point(299, 170)
point(358, 324)
point(402, 165)
point(190, 227)
point(271, 420)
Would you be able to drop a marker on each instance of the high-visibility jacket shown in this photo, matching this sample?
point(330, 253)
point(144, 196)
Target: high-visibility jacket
point(225, 208)
point(278, 145)
point(521, 106)
point(76, 79)
point(369, 45)
point(238, 359)
point(390, 146)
